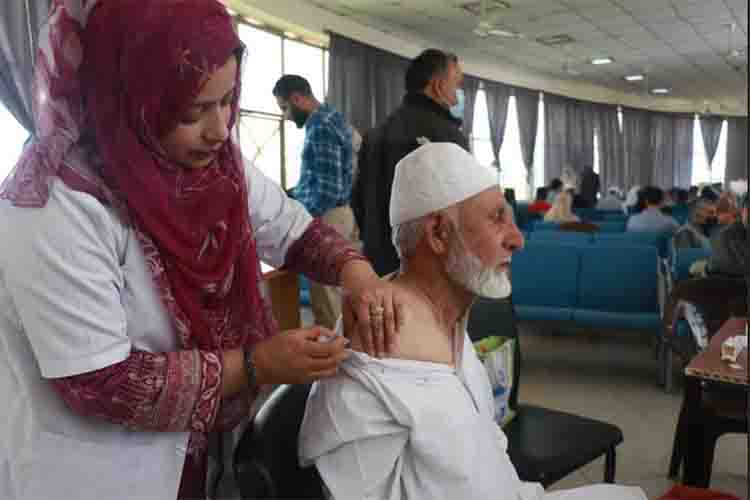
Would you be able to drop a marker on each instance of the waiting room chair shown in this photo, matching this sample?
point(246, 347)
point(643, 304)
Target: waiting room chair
point(544, 445)
point(266, 462)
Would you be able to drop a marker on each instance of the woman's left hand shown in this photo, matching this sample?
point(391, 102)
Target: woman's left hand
point(376, 307)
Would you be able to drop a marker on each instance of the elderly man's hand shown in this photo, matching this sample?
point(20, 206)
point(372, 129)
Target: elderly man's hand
point(373, 310)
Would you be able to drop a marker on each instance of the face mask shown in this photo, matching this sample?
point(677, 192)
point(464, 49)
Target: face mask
point(457, 110)
point(298, 116)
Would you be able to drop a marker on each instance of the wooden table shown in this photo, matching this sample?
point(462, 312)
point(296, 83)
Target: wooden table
point(708, 373)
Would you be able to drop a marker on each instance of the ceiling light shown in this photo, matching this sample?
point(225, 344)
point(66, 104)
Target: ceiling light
point(660, 91)
point(505, 33)
point(635, 78)
point(252, 21)
point(602, 60)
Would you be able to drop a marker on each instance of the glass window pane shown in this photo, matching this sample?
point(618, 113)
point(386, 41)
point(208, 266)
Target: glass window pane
point(260, 142)
point(596, 151)
point(325, 72)
point(306, 61)
point(294, 139)
point(483, 152)
point(701, 171)
point(719, 166)
point(481, 118)
point(14, 136)
point(539, 180)
point(261, 69)
point(513, 171)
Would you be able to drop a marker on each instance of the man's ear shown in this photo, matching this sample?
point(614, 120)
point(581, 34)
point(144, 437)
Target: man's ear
point(437, 233)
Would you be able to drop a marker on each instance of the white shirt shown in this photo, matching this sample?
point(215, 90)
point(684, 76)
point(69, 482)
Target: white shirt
point(410, 430)
point(76, 296)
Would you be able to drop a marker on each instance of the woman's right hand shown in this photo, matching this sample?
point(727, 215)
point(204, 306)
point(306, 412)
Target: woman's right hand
point(297, 357)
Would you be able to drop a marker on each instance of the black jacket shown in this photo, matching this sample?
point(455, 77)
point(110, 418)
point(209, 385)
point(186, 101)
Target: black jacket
point(382, 148)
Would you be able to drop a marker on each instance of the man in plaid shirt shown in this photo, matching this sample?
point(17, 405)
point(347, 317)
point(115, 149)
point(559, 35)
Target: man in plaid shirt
point(325, 184)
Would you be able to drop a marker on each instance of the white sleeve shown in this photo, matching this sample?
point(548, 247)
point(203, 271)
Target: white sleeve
point(63, 274)
point(354, 440)
point(277, 220)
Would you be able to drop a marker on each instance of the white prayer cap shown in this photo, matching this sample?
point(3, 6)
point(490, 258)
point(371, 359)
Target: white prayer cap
point(434, 177)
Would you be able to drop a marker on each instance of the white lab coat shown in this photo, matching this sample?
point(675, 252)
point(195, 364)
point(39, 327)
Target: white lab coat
point(410, 430)
point(76, 296)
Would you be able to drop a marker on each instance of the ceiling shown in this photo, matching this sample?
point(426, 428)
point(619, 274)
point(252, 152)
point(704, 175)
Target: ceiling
point(683, 45)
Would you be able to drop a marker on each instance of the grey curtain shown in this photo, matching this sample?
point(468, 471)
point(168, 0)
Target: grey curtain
point(581, 118)
point(611, 159)
point(672, 150)
point(20, 21)
point(683, 174)
point(471, 87)
point(364, 83)
point(527, 105)
point(497, 109)
point(711, 131)
point(569, 134)
point(636, 126)
point(556, 136)
point(737, 146)
point(390, 83)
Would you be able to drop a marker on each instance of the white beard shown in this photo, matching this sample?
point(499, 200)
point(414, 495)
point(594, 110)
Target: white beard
point(466, 270)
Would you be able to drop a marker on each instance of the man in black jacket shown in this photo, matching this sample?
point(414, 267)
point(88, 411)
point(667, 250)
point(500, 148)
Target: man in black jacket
point(430, 113)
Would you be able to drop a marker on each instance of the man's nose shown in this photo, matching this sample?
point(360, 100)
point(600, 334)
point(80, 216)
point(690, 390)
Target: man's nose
point(514, 240)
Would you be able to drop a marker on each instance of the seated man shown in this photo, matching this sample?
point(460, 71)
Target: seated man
point(697, 232)
point(652, 219)
point(420, 424)
point(731, 247)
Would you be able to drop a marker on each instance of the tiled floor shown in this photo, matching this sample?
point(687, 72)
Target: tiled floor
point(612, 376)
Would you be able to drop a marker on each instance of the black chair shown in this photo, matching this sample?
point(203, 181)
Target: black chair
point(266, 460)
point(544, 445)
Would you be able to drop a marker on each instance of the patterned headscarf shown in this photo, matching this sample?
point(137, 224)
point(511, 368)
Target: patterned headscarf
point(111, 78)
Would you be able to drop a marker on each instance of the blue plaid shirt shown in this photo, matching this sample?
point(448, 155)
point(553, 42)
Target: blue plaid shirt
point(326, 172)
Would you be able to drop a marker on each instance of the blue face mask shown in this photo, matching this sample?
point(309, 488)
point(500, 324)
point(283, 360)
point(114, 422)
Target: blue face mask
point(457, 110)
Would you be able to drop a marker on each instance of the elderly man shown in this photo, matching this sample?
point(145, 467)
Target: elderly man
point(420, 424)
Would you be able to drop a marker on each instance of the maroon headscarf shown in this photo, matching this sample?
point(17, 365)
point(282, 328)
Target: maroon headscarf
point(124, 71)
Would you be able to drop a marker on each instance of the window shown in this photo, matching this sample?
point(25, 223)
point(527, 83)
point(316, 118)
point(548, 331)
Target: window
point(275, 146)
point(539, 179)
point(481, 144)
point(14, 136)
point(702, 171)
point(513, 173)
point(597, 164)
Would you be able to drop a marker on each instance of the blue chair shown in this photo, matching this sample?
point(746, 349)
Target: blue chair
point(613, 217)
point(541, 224)
point(563, 237)
point(618, 288)
point(658, 240)
point(612, 226)
point(683, 258)
point(680, 214)
point(544, 281)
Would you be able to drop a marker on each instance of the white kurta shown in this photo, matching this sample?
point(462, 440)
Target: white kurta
point(76, 296)
point(410, 430)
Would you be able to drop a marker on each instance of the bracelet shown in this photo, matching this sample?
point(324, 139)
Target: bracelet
point(252, 374)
